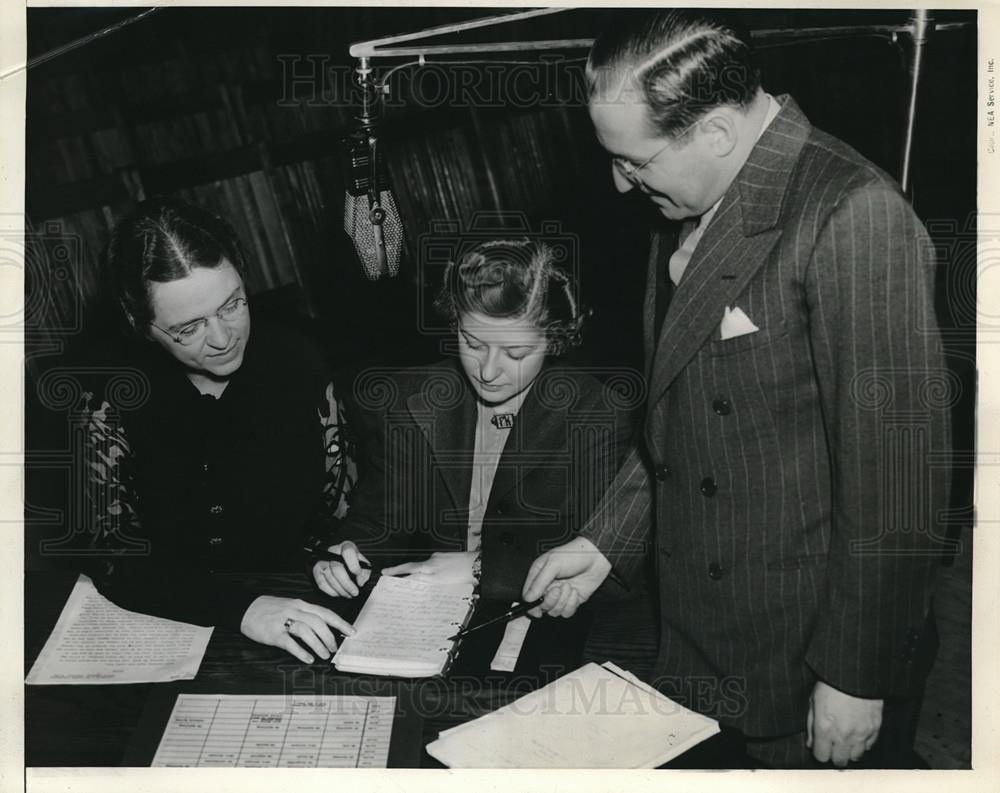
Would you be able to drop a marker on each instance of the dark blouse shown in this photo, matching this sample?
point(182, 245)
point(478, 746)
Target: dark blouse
point(183, 485)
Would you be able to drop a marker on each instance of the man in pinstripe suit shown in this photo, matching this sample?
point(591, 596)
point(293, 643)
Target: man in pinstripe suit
point(782, 482)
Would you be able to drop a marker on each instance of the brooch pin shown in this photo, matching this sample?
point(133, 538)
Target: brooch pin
point(502, 421)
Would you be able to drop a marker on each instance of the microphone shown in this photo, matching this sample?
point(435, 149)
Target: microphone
point(371, 218)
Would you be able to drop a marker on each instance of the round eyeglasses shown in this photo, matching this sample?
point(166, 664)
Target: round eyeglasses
point(631, 172)
point(195, 331)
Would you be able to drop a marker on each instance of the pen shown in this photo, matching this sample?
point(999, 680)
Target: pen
point(508, 615)
point(324, 555)
point(329, 556)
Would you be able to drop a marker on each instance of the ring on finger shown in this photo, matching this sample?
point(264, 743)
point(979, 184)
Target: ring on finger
point(288, 625)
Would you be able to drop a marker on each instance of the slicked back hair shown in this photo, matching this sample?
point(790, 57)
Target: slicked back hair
point(680, 64)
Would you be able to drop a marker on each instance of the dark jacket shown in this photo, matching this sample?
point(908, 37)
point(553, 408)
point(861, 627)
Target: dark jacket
point(566, 444)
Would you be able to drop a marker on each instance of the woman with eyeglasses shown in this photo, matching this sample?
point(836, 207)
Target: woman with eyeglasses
point(229, 450)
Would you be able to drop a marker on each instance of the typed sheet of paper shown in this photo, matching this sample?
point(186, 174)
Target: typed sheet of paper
point(96, 642)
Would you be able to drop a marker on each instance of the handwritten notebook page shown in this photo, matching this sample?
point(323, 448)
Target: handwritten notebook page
point(96, 642)
point(590, 718)
point(405, 628)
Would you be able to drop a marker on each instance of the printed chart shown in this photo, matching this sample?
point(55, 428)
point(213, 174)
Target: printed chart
point(270, 731)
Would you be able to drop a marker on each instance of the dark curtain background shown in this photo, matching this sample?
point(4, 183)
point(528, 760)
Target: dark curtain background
point(242, 110)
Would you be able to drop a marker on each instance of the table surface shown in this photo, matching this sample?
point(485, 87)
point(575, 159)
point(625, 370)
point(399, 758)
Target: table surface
point(97, 725)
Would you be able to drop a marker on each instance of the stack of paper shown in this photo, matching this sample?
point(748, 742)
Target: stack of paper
point(595, 717)
point(406, 628)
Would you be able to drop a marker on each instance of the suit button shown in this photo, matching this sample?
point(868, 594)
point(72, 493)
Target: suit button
point(662, 472)
point(507, 538)
point(216, 509)
point(715, 571)
point(722, 406)
point(708, 487)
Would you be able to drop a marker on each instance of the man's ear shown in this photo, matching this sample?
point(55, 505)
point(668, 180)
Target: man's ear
point(721, 131)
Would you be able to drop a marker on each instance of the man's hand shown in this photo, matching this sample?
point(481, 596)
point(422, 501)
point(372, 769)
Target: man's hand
point(841, 727)
point(567, 576)
point(447, 567)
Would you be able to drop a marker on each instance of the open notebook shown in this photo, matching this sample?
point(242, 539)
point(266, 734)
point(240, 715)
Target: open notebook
point(405, 628)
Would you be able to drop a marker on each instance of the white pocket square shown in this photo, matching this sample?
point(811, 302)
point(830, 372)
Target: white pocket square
point(735, 323)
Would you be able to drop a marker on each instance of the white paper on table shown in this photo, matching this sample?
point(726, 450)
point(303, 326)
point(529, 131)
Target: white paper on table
point(695, 734)
point(96, 642)
point(509, 650)
point(590, 718)
point(277, 731)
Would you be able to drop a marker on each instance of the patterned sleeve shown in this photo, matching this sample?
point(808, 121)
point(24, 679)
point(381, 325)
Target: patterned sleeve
point(111, 500)
point(340, 454)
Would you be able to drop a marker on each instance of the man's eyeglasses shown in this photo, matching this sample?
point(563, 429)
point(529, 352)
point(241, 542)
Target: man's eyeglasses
point(631, 172)
point(194, 332)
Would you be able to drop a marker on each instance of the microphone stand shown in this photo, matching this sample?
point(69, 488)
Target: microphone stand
point(367, 122)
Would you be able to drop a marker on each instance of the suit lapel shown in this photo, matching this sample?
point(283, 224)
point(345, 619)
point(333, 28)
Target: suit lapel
point(538, 431)
point(658, 245)
point(722, 265)
point(662, 244)
point(736, 244)
point(449, 429)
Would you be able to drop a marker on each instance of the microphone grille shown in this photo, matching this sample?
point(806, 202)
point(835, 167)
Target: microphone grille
point(379, 246)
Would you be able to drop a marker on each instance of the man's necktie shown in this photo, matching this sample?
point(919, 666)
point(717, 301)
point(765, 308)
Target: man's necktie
point(691, 232)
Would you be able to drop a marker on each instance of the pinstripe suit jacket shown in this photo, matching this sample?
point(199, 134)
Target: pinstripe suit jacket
point(784, 480)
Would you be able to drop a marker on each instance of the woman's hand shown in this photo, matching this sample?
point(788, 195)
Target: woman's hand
point(275, 620)
point(448, 567)
point(342, 580)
